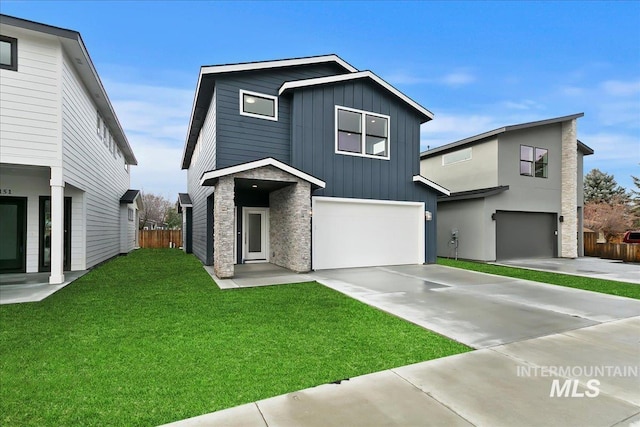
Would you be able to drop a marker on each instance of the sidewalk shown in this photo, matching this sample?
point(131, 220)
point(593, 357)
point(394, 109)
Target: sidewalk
point(505, 385)
point(522, 329)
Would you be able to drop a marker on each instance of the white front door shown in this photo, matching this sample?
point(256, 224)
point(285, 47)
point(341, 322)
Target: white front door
point(255, 230)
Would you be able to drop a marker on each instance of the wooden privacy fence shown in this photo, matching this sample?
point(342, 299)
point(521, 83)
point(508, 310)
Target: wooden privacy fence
point(156, 239)
point(629, 252)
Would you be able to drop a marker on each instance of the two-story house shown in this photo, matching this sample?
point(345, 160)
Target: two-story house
point(306, 163)
point(516, 192)
point(65, 202)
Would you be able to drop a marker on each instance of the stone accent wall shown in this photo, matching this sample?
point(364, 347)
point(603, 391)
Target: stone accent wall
point(290, 227)
point(223, 232)
point(289, 221)
point(569, 206)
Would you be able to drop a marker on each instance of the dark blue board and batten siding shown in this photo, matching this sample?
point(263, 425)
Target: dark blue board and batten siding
point(313, 148)
point(243, 139)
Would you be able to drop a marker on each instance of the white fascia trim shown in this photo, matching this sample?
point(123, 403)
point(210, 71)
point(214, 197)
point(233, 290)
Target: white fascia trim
point(364, 201)
point(353, 76)
point(421, 179)
point(249, 66)
point(269, 161)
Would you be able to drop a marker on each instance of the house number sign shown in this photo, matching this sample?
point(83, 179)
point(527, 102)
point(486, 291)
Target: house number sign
point(5, 191)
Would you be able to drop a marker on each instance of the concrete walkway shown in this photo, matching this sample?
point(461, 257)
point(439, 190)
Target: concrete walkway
point(525, 331)
point(31, 287)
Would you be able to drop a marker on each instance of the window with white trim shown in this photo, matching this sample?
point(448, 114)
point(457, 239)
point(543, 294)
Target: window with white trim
point(362, 133)
point(8, 53)
point(258, 105)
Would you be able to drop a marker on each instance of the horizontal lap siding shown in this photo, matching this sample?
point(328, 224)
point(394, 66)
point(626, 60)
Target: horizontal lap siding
point(90, 166)
point(205, 161)
point(29, 102)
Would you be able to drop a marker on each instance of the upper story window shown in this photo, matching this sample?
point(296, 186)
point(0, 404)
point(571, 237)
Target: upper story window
point(362, 133)
point(8, 53)
point(258, 105)
point(456, 156)
point(534, 161)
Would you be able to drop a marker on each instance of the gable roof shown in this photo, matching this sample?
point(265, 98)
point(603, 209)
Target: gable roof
point(72, 43)
point(292, 85)
point(480, 137)
point(209, 177)
point(202, 97)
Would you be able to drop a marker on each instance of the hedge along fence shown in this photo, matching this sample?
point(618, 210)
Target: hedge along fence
point(156, 239)
point(628, 252)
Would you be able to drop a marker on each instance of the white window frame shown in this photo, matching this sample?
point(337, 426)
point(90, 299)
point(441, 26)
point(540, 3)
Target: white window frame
point(259, 95)
point(469, 149)
point(363, 137)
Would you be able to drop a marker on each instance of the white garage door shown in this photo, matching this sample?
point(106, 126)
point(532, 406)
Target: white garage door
point(363, 233)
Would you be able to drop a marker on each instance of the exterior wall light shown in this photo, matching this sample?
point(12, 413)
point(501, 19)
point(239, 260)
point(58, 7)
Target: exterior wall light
point(428, 216)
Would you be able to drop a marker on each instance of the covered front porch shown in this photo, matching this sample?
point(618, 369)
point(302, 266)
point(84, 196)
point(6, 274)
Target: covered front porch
point(258, 274)
point(261, 212)
point(36, 225)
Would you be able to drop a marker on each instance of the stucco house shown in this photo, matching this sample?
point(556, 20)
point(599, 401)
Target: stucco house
point(65, 202)
point(516, 192)
point(307, 163)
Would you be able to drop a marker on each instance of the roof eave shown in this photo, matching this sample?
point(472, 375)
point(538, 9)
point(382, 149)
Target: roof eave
point(72, 42)
point(296, 84)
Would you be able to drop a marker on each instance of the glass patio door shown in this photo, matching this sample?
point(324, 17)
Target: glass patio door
point(45, 234)
point(13, 229)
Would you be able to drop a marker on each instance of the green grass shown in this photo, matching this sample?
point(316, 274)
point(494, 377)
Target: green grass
point(148, 339)
point(612, 287)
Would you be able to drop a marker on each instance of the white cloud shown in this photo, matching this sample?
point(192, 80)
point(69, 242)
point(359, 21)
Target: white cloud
point(620, 88)
point(572, 90)
point(458, 78)
point(525, 104)
point(615, 153)
point(155, 119)
point(454, 79)
point(446, 128)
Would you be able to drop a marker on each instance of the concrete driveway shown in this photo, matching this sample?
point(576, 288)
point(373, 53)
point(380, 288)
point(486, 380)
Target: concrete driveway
point(480, 310)
point(541, 349)
point(584, 266)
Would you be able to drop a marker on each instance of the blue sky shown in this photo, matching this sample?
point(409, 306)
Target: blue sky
point(477, 65)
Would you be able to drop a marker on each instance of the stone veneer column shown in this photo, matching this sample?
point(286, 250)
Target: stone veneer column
point(568, 203)
point(290, 227)
point(223, 236)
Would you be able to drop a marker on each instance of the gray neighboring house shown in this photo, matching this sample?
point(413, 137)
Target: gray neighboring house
point(307, 163)
point(516, 192)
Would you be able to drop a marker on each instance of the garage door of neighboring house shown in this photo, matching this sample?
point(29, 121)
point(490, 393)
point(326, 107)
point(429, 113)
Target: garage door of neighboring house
point(525, 235)
point(362, 233)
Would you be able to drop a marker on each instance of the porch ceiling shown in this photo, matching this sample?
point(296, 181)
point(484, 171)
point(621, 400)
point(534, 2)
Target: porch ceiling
point(246, 184)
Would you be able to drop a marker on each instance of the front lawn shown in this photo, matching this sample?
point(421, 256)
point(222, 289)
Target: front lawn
point(148, 338)
point(612, 287)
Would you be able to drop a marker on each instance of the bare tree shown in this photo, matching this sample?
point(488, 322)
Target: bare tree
point(156, 209)
point(610, 218)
